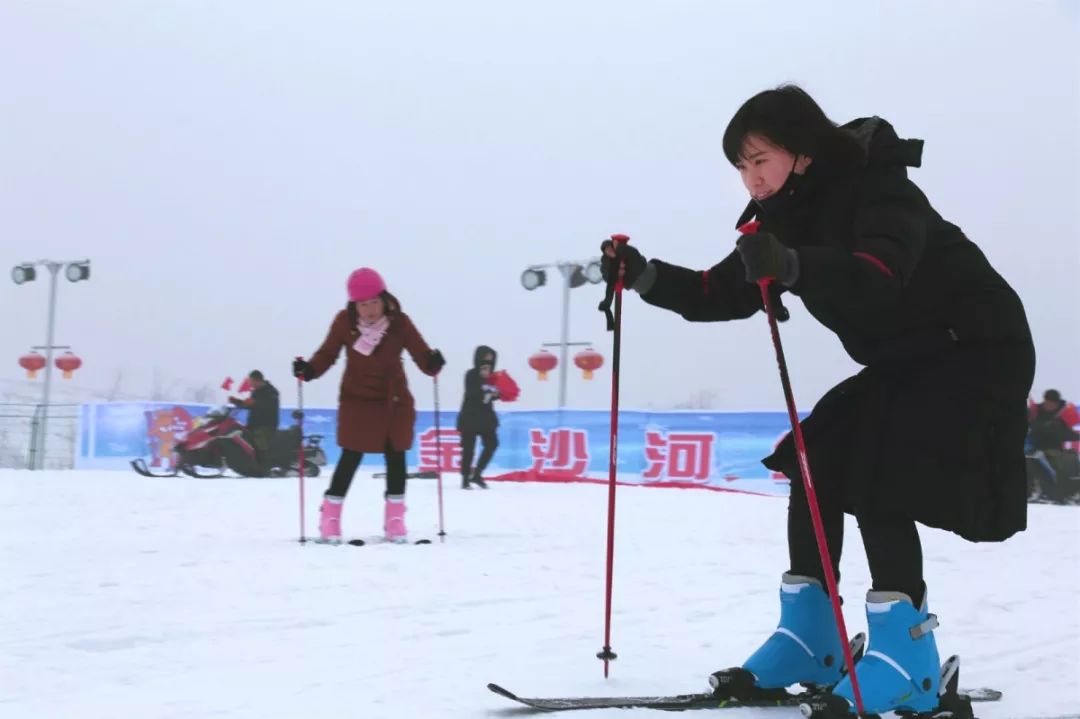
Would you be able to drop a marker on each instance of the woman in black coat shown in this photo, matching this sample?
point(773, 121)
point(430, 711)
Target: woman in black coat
point(931, 431)
point(477, 417)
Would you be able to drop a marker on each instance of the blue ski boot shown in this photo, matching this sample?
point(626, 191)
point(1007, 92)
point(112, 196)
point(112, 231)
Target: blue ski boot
point(805, 648)
point(901, 669)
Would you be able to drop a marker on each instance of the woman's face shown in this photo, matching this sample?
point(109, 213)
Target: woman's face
point(370, 310)
point(764, 167)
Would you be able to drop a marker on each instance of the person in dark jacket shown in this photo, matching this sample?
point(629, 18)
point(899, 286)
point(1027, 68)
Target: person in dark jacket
point(263, 408)
point(376, 410)
point(477, 417)
point(931, 430)
point(1051, 426)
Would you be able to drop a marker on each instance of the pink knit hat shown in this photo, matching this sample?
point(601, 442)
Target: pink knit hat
point(365, 284)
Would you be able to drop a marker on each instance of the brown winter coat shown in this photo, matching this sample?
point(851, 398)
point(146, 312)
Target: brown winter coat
point(374, 406)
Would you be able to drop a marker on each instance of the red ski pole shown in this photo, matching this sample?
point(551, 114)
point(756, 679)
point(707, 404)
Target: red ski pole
point(439, 458)
point(606, 654)
point(300, 450)
point(808, 481)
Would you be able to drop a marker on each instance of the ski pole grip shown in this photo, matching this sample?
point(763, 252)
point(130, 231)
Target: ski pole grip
point(782, 313)
point(751, 228)
point(613, 288)
point(619, 239)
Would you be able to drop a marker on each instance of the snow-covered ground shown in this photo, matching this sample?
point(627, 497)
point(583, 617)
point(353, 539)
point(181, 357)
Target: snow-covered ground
point(182, 599)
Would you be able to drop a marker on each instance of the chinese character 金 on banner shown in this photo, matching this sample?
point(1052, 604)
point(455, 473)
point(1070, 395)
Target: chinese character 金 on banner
point(450, 441)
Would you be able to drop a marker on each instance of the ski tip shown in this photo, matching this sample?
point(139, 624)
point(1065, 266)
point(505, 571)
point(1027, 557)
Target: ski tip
point(357, 542)
point(502, 692)
point(982, 694)
point(423, 541)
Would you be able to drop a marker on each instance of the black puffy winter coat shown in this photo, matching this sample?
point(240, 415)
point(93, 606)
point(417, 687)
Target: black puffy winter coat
point(934, 426)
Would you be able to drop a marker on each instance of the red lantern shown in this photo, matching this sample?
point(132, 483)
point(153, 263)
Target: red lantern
point(68, 363)
point(589, 361)
point(543, 362)
point(32, 362)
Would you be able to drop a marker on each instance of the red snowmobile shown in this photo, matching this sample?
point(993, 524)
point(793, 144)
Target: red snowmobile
point(218, 443)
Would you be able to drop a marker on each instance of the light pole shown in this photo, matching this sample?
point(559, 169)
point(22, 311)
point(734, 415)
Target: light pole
point(574, 274)
point(76, 271)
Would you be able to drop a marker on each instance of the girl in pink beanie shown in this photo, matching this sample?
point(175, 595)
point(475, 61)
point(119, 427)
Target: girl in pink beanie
point(376, 411)
point(365, 284)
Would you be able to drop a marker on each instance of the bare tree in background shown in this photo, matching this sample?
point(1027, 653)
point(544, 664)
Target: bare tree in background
point(701, 399)
point(160, 389)
point(201, 394)
point(163, 389)
point(114, 393)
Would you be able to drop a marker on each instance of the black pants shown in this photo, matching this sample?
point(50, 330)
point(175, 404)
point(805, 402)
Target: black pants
point(350, 461)
point(893, 549)
point(261, 440)
point(468, 448)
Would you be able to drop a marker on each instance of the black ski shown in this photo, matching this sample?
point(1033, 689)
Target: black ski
point(680, 702)
point(733, 689)
point(674, 702)
point(362, 542)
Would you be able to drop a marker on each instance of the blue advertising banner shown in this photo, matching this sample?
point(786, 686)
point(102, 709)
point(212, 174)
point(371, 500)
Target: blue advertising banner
point(719, 450)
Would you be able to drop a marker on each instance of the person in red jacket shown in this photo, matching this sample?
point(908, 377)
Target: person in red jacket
point(376, 411)
point(1051, 422)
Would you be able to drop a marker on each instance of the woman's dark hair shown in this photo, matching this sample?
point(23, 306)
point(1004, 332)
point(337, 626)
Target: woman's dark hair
point(391, 307)
point(789, 118)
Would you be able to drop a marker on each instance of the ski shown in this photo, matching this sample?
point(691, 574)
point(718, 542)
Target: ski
point(674, 702)
point(361, 542)
point(680, 702)
point(734, 689)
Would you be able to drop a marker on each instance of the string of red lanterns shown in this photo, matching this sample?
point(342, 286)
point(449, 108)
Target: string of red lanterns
point(588, 361)
point(33, 362)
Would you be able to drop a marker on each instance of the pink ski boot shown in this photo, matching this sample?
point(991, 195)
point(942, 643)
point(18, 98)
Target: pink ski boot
point(330, 519)
point(394, 522)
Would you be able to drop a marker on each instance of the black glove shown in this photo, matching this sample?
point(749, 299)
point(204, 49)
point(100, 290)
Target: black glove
point(435, 361)
point(302, 368)
point(765, 257)
point(633, 261)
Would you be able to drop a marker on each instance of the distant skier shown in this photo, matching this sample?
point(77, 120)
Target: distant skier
point(376, 412)
point(477, 417)
point(931, 431)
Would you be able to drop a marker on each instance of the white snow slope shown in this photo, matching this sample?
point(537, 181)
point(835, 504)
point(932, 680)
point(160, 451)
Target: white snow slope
point(182, 599)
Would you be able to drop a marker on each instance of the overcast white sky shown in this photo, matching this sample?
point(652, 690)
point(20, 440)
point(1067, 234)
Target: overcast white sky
point(225, 165)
